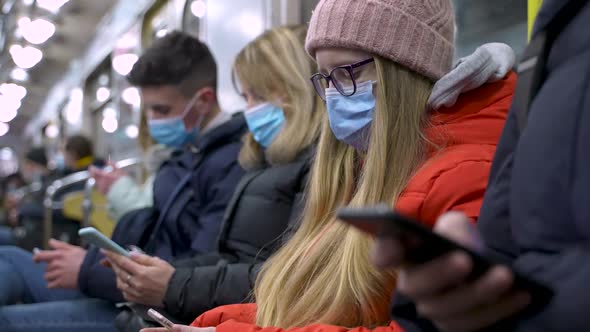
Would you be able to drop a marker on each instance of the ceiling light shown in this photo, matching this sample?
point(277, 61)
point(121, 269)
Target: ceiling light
point(28, 2)
point(132, 131)
point(23, 22)
point(19, 74)
point(73, 110)
point(131, 96)
point(161, 33)
point(6, 153)
point(123, 63)
point(109, 112)
point(77, 95)
point(51, 5)
point(25, 57)
point(8, 114)
point(73, 113)
point(103, 94)
point(9, 108)
point(37, 31)
point(110, 124)
point(199, 8)
point(52, 131)
point(13, 91)
point(4, 128)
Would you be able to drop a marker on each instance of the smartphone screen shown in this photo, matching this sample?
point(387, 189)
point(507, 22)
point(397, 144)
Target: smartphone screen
point(93, 236)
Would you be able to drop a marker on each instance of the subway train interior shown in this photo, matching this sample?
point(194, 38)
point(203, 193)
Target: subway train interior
point(63, 67)
point(70, 114)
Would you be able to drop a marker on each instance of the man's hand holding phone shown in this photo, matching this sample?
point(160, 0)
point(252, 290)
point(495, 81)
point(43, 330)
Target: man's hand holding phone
point(442, 288)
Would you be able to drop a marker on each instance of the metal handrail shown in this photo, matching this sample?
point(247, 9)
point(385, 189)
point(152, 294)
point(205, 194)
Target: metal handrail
point(87, 205)
point(58, 186)
point(29, 189)
point(49, 203)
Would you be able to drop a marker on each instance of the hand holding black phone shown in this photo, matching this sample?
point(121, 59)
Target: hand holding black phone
point(422, 245)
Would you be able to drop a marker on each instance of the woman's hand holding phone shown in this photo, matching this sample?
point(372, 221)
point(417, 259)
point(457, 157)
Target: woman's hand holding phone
point(442, 288)
point(142, 279)
point(180, 328)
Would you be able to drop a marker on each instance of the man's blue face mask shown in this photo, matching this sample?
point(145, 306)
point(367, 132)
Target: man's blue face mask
point(351, 117)
point(172, 132)
point(265, 122)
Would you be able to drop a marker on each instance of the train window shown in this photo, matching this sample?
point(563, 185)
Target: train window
point(98, 87)
point(478, 22)
point(484, 21)
point(162, 18)
point(307, 7)
point(235, 23)
point(118, 121)
point(194, 11)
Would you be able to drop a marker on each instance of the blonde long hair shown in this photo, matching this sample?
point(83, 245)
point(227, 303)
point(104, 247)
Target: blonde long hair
point(323, 274)
point(277, 69)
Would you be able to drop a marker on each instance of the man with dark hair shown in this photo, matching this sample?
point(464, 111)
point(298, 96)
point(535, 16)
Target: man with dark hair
point(192, 66)
point(78, 153)
point(177, 77)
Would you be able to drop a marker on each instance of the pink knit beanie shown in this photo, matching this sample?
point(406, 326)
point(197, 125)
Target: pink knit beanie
point(418, 34)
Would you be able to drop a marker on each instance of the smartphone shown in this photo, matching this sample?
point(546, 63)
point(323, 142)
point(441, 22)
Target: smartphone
point(93, 236)
point(422, 245)
point(137, 249)
point(158, 317)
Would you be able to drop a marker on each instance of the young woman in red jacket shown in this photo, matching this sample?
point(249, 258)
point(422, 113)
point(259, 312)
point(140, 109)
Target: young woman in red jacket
point(404, 127)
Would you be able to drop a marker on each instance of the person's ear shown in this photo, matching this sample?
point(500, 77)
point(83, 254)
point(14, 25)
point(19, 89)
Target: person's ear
point(207, 96)
point(204, 103)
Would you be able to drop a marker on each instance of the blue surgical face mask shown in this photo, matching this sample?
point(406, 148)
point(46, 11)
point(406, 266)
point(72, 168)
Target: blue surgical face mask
point(60, 161)
point(265, 122)
point(351, 117)
point(172, 132)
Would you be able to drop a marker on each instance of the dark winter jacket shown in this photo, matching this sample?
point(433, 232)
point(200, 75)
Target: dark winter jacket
point(192, 223)
point(536, 213)
point(266, 203)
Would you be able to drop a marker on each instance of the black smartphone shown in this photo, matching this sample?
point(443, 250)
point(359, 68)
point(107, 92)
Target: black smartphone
point(422, 245)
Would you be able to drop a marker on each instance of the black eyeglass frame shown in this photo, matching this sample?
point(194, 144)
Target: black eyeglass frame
point(316, 79)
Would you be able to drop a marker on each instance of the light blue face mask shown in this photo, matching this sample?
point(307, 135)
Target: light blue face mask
point(265, 122)
point(172, 132)
point(351, 117)
point(60, 161)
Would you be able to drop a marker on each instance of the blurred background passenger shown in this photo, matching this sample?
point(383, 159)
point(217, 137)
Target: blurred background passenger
point(125, 194)
point(35, 171)
point(77, 155)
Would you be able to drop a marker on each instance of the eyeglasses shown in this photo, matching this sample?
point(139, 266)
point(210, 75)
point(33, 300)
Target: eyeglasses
point(341, 77)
